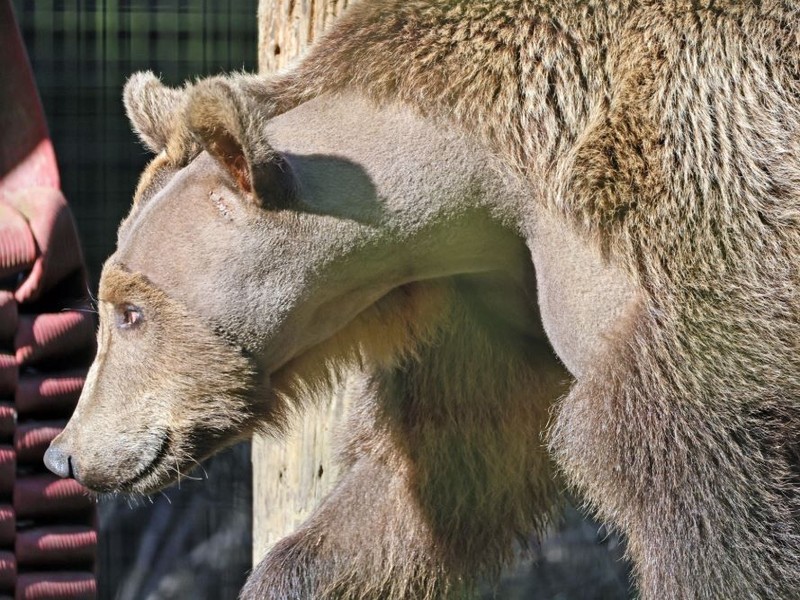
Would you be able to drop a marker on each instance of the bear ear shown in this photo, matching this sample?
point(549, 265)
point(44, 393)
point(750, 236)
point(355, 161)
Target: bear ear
point(228, 124)
point(152, 108)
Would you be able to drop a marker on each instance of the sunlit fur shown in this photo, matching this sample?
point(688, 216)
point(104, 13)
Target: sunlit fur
point(146, 371)
point(668, 135)
point(388, 331)
point(445, 432)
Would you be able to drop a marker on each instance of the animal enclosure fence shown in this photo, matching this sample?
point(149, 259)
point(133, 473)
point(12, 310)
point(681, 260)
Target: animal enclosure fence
point(47, 535)
point(196, 541)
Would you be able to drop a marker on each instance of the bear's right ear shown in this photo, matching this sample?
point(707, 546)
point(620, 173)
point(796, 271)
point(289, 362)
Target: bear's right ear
point(152, 108)
point(227, 122)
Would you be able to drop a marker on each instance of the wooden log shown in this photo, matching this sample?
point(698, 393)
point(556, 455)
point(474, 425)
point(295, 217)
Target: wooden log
point(287, 27)
point(290, 476)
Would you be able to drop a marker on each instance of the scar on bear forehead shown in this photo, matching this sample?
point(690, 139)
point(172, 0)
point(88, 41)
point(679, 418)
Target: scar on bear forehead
point(118, 285)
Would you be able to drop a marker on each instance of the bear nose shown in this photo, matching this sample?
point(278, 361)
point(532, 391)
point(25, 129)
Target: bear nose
point(58, 461)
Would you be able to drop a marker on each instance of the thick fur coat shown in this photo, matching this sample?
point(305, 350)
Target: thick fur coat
point(669, 134)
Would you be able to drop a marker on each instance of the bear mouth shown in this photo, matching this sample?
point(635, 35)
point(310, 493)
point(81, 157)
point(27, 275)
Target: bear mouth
point(154, 465)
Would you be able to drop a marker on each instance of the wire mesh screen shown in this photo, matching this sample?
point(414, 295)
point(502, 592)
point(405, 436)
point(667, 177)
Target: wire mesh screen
point(82, 53)
point(193, 542)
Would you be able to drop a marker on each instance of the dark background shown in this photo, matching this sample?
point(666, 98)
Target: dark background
point(195, 542)
point(192, 543)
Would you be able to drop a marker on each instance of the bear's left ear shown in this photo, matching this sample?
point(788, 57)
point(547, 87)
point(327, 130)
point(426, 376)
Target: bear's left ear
point(152, 109)
point(228, 125)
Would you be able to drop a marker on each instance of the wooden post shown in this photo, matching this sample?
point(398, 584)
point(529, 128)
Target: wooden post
point(287, 27)
point(290, 476)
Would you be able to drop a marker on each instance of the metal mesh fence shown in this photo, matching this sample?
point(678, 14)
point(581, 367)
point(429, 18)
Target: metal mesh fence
point(83, 51)
point(193, 542)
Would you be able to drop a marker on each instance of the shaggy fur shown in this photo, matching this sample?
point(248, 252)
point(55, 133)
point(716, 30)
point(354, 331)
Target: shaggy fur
point(444, 433)
point(665, 135)
point(669, 133)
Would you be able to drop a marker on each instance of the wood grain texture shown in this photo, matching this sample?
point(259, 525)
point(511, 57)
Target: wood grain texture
point(291, 476)
point(287, 27)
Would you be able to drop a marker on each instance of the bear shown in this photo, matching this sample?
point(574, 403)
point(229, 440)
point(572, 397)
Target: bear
point(556, 239)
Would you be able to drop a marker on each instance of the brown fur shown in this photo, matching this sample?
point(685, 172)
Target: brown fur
point(156, 109)
point(442, 472)
point(156, 172)
point(144, 371)
point(405, 318)
point(666, 134)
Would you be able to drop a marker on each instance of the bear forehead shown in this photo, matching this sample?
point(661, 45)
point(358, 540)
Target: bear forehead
point(119, 285)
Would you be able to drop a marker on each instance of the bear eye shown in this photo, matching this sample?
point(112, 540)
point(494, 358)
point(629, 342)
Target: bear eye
point(129, 316)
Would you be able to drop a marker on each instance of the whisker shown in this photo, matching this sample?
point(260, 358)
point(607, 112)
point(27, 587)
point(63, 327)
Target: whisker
point(91, 296)
point(178, 471)
point(202, 468)
point(90, 311)
point(184, 475)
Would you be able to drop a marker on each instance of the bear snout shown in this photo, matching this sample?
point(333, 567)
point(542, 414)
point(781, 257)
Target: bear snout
point(59, 461)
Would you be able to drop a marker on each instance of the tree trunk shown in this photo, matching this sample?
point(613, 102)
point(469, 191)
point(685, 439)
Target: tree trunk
point(287, 27)
point(290, 476)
